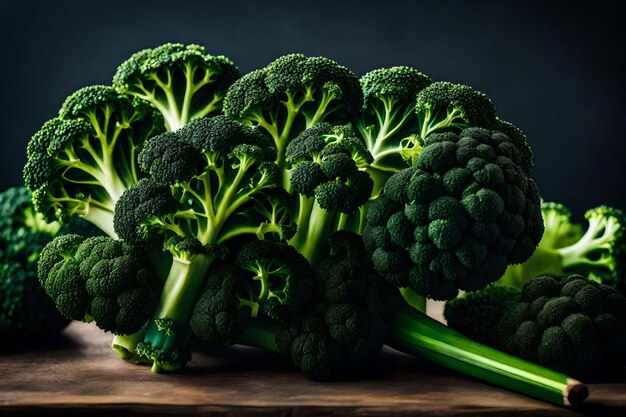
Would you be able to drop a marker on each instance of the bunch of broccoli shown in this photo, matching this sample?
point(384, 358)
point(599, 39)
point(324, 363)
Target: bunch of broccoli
point(291, 204)
point(25, 309)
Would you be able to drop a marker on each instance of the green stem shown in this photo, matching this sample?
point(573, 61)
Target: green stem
point(165, 344)
point(261, 334)
point(417, 334)
point(102, 219)
point(312, 244)
point(542, 262)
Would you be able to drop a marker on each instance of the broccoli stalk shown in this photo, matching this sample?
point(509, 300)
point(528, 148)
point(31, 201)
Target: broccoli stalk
point(181, 81)
point(209, 182)
point(565, 248)
point(415, 333)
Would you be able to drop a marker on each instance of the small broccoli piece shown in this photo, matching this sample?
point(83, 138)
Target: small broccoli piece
point(182, 82)
point(268, 280)
point(474, 313)
point(327, 174)
point(572, 325)
point(597, 252)
point(456, 220)
point(293, 93)
point(388, 122)
point(209, 182)
point(100, 279)
point(81, 162)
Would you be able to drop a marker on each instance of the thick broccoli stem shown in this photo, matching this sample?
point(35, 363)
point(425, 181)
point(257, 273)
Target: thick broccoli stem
point(417, 334)
point(180, 293)
point(261, 334)
point(311, 238)
point(125, 345)
point(102, 219)
point(543, 261)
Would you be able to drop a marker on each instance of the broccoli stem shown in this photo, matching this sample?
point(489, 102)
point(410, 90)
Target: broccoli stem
point(261, 334)
point(102, 219)
point(312, 239)
point(417, 334)
point(125, 345)
point(542, 262)
point(168, 334)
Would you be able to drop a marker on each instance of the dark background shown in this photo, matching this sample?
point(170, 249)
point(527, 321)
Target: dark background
point(556, 69)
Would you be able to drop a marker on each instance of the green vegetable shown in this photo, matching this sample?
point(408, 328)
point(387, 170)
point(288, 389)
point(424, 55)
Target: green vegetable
point(597, 251)
point(25, 309)
point(81, 162)
point(458, 218)
point(571, 324)
point(291, 94)
point(474, 313)
point(327, 173)
point(181, 81)
point(209, 182)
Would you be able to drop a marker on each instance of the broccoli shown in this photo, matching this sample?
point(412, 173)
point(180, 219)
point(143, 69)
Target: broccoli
point(81, 162)
point(597, 252)
point(402, 108)
point(327, 174)
point(209, 182)
point(291, 94)
point(100, 279)
point(341, 320)
point(181, 82)
point(458, 218)
point(572, 324)
point(474, 313)
point(25, 310)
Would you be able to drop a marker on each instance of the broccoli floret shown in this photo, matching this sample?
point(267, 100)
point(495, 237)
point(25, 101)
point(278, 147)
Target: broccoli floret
point(81, 162)
point(597, 252)
point(182, 82)
point(474, 313)
point(327, 174)
point(388, 120)
point(268, 280)
point(211, 181)
point(456, 220)
point(572, 325)
point(100, 279)
point(294, 93)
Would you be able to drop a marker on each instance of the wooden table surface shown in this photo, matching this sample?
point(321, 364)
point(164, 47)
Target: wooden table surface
point(81, 374)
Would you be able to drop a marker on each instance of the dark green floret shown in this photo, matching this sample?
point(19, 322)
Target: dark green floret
point(80, 163)
point(294, 93)
point(328, 178)
point(100, 279)
point(456, 220)
point(182, 82)
point(571, 324)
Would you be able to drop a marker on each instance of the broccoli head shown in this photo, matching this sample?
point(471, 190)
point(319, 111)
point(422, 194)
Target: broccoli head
point(347, 325)
point(456, 220)
point(573, 325)
point(182, 82)
point(81, 162)
point(293, 93)
point(100, 279)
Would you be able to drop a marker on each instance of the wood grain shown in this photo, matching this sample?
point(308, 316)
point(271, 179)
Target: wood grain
point(80, 374)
